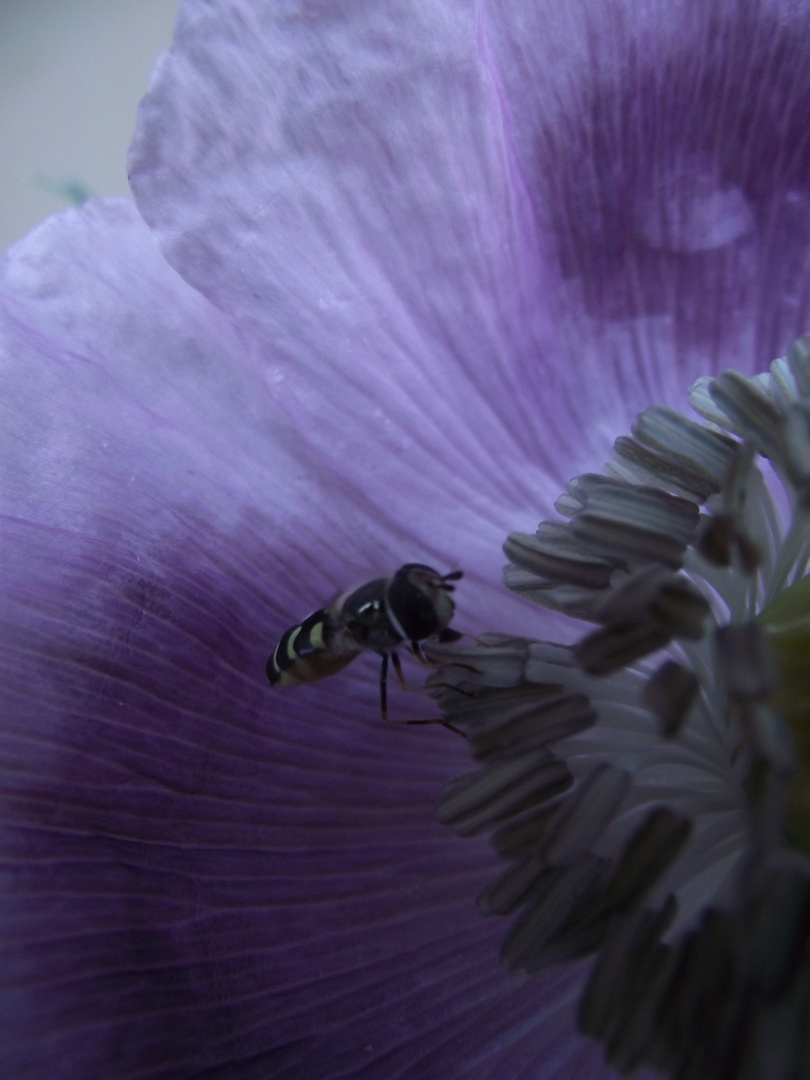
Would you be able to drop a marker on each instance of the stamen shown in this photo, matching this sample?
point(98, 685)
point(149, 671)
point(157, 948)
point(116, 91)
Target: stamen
point(609, 650)
point(748, 411)
point(508, 892)
point(670, 693)
point(786, 625)
point(557, 892)
point(634, 463)
point(745, 661)
point(555, 554)
point(797, 363)
point(648, 507)
point(706, 454)
point(585, 814)
point(797, 446)
point(626, 522)
point(475, 802)
point(648, 853)
point(633, 968)
point(522, 721)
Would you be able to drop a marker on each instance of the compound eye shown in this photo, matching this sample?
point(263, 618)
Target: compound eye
point(412, 607)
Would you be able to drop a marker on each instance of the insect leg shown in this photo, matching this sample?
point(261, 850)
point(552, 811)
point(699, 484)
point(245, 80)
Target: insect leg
point(384, 684)
point(384, 693)
point(398, 669)
point(417, 652)
point(431, 720)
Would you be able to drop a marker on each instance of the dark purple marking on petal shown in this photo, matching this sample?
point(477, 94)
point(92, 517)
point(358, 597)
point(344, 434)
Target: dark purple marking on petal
point(681, 181)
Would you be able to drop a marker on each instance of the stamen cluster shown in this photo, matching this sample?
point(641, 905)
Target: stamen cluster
point(640, 785)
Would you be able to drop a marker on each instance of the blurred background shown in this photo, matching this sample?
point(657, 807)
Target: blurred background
point(71, 75)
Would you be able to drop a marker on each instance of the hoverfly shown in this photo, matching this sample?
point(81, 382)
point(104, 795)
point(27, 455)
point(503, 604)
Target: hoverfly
point(411, 606)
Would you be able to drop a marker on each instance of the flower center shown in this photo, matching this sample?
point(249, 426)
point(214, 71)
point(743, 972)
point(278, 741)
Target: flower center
point(787, 626)
point(641, 785)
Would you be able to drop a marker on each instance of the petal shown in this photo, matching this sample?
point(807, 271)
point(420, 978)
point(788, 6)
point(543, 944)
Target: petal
point(345, 188)
point(365, 337)
point(199, 876)
point(514, 224)
point(679, 188)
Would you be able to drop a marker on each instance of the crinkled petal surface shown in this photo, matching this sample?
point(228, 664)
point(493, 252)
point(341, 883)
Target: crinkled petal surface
point(199, 876)
point(528, 219)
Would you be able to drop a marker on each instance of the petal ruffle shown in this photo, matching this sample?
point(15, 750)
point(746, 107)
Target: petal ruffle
point(346, 189)
point(515, 224)
point(201, 877)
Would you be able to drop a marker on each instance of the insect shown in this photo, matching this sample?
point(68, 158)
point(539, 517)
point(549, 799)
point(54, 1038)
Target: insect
point(411, 606)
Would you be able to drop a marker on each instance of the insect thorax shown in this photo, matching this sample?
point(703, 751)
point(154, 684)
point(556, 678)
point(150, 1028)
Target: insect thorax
point(365, 616)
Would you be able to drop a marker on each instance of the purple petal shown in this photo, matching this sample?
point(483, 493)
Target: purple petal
point(380, 345)
point(679, 141)
point(515, 224)
point(345, 188)
point(201, 876)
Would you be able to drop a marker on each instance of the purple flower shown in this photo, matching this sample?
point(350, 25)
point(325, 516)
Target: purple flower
point(425, 262)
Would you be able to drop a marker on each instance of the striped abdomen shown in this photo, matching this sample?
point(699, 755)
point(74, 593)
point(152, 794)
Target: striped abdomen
point(311, 650)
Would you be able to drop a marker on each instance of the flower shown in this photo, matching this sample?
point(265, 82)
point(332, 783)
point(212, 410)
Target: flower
point(425, 261)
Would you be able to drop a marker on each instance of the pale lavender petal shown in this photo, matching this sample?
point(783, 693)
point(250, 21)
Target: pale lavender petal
point(201, 877)
point(513, 224)
point(344, 187)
